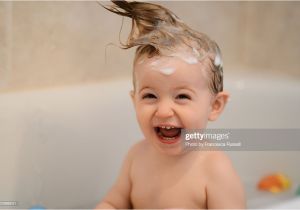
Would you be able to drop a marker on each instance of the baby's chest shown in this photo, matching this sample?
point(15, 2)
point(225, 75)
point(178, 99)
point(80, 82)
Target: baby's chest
point(156, 189)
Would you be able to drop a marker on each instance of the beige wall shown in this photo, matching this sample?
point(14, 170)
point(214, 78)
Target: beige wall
point(3, 43)
point(58, 43)
point(62, 43)
point(272, 36)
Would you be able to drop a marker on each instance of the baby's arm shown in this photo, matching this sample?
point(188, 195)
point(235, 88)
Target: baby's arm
point(224, 189)
point(119, 195)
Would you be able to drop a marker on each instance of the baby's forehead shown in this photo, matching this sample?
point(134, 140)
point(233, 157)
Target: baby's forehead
point(168, 64)
point(156, 60)
point(173, 70)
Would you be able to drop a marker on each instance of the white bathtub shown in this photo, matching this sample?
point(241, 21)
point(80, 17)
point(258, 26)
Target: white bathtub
point(63, 147)
point(293, 203)
point(263, 100)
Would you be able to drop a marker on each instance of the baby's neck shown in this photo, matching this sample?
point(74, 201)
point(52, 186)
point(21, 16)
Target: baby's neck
point(169, 159)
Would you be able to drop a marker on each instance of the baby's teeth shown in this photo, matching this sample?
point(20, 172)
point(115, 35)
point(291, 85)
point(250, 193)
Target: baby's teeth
point(167, 127)
point(169, 138)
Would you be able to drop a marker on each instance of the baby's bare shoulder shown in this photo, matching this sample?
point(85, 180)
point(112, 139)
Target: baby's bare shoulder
point(223, 185)
point(216, 162)
point(219, 167)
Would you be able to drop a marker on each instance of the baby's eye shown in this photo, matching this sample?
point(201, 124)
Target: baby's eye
point(148, 96)
point(183, 96)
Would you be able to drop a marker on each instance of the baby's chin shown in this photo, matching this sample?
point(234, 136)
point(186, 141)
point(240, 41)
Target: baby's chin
point(171, 151)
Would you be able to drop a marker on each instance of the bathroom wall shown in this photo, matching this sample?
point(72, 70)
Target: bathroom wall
point(3, 42)
point(271, 36)
point(55, 43)
point(59, 43)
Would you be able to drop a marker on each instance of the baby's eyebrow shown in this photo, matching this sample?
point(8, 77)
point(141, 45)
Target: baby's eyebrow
point(185, 88)
point(146, 87)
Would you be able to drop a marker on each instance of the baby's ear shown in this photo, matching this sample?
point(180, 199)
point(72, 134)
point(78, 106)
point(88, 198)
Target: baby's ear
point(218, 104)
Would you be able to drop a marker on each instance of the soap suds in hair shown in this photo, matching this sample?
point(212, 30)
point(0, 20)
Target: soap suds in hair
point(157, 31)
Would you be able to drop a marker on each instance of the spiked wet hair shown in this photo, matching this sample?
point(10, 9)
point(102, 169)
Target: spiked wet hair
point(158, 31)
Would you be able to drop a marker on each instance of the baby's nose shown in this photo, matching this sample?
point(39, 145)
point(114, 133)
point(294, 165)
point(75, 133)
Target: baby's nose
point(164, 110)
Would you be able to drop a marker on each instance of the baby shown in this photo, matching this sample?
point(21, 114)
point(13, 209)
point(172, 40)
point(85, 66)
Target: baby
point(178, 84)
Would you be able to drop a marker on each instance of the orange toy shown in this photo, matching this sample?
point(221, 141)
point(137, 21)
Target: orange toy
point(274, 183)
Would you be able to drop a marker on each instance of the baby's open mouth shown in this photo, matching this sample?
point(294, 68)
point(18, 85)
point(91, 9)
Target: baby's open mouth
point(168, 132)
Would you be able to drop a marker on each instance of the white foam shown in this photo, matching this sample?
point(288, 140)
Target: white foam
point(155, 63)
point(167, 70)
point(165, 67)
point(190, 60)
point(162, 66)
point(196, 52)
point(186, 57)
point(218, 61)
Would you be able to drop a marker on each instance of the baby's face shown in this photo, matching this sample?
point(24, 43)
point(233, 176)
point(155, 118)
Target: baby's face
point(170, 94)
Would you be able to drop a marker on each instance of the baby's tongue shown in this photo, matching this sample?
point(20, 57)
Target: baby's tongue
point(170, 132)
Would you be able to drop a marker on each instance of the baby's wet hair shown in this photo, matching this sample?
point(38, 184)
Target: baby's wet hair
point(157, 31)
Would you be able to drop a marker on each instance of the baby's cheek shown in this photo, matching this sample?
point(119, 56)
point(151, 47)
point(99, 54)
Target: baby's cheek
point(136, 84)
point(144, 116)
point(144, 111)
point(190, 118)
point(196, 122)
